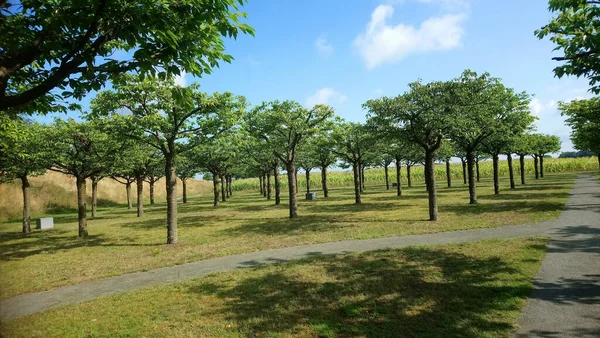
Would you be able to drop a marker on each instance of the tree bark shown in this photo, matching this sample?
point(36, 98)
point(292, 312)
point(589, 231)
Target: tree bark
point(430, 183)
point(495, 161)
point(408, 177)
point(216, 190)
point(399, 177)
point(264, 180)
point(230, 185)
point(151, 192)
point(477, 168)
point(277, 185)
point(296, 179)
point(464, 170)
point(128, 190)
point(536, 165)
point(356, 172)
point(471, 177)
point(171, 189)
point(511, 174)
point(360, 183)
point(292, 188)
point(260, 184)
point(362, 178)
point(324, 182)
point(81, 206)
point(269, 186)
point(522, 168)
point(541, 165)
point(184, 189)
point(140, 196)
point(94, 197)
point(598, 161)
point(387, 180)
point(308, 181)
point(448, 176)
point(223, 195)
point(26, 205)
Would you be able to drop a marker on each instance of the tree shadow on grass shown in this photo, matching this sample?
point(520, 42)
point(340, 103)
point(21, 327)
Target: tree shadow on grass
point(377, 296)
point(279, 226)
point(516, 206)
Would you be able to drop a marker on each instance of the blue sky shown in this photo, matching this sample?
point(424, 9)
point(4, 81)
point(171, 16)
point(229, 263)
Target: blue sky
point(345, 52)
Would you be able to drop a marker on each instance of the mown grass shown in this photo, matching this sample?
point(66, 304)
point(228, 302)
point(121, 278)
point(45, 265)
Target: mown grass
point(120, 242)
point(468, 290)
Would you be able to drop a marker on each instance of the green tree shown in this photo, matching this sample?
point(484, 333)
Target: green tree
point(285, 125)
point(307, 162)
point(542, 145)
point(322, 152)
point(187, 168)
point(523, 146)
point(422, 115)
point(583, 118)
point(155, 170)
point(574, 30)
point(21, 157)
point(80, 149)
point(70, 45)
point(165, 117)
point(445, 154)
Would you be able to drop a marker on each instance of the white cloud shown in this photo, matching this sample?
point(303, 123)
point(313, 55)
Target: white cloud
point(539, 108)
point(180, 79)
point(324, 48)
point(382, 43)
point(325, 96)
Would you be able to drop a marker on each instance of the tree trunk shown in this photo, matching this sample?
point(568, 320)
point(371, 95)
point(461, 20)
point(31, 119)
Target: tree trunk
point(269, 186)
point(308, 181)
point(292, 188)
point(94, 197)
point(216, 190)
point(448, 176)
point(362, 178)
point(264, 180)
point(81, 207)
point(536, 165)
point(260, 184)
point(464, 170)
point(360, 182)
point(477, 168)
point(598, 161)
point(128, 190)
point(356, 172)
point(26, 205)
point(495, 160)
point(277, 185)
point(230, 185)
point(431, 188)
point(223, 195)
point(387, 180)
point(522, 168)
point(408, 177)
point(171, 189)
point(184, 189)
point(399, 177)
point(541, 165)
point(511, 174)
point(324, 182)
point(471, 177)
point(296, 179)
point(140, 196)
point(151, 192)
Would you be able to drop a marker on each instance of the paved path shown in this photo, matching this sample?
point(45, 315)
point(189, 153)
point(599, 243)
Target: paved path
point(566, 298)
point(36, 302)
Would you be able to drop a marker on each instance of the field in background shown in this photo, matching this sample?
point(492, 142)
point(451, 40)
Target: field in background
point(377, 175)
point(57, 193)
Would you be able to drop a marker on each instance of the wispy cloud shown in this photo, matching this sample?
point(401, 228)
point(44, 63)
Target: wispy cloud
point(324, 48)
point(180, 79)
point(325, 95)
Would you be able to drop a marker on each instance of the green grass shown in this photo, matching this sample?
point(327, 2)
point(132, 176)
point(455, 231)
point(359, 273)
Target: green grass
point(468, 290)
point(119, 242)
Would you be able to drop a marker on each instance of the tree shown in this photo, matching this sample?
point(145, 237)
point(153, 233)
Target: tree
point(306, 161)
point(575, 32)
point(523, 146)
point(517, 119)
point(186, 168)
point(70, 46)
point(165, 117)
point(21, 157)
point(422, 115)
point(583, 118)
point(284, 125)
point(322, 152)
point(351, 141)
point(155, 170)
point(80, 149)
point(445, 154)
point(542, 145)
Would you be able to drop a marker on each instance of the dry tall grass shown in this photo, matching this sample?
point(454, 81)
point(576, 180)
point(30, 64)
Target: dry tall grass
point(54, 192)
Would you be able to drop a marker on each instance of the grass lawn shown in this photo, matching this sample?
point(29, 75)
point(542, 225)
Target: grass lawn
point(120, 242)
point(467, 290)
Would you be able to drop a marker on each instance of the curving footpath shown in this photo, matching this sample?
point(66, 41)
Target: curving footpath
point(566, 286)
